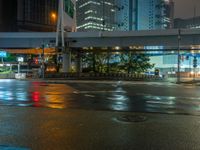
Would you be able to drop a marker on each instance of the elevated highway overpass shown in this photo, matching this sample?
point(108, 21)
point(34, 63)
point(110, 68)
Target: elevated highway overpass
point(168, 38)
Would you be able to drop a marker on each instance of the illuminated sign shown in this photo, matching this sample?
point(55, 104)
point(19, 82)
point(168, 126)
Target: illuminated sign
point(153, 47)
point(20, 59)
point(3, 54)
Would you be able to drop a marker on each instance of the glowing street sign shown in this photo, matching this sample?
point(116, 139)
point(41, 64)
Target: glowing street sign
point(20, 59)
point(153, 47)
point(3, 54)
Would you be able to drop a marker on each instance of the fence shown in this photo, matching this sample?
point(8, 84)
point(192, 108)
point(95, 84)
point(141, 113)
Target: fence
point(102, 76)
point(7, 76)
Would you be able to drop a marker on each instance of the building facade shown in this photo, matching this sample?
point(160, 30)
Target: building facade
point(95, 15)
point(8, 15)
point(190, 23)
point(126, 15)
point(33, 15)
point(144, 14)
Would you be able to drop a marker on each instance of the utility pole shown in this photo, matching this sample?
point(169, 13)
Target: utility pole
point(60, 39)
point(43, 67)
point(179, 61)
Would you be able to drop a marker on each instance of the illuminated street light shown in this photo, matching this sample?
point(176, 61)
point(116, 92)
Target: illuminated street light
point(53, 16)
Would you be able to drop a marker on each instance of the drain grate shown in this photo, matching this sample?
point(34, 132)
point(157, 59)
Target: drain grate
point(132, 118)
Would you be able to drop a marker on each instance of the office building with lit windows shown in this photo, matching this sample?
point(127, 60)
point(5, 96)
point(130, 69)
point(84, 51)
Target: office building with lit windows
point(144, 14)
point(124, 15)
point(95, 15)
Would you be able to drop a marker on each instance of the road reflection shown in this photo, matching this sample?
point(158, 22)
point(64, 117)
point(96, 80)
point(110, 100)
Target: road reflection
point(35, 94)
point(119, 100)
point(98, 97)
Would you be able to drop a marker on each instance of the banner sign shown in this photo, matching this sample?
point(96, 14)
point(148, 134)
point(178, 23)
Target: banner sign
point(69, 8)
point(3, 54)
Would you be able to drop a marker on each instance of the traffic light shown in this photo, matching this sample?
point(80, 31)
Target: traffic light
point(195, 62)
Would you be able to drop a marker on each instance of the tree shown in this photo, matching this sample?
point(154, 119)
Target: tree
point(96, 62)
point(101, 62)
point(129, 62)
point(133, 62)
point(87, 62)
point(10, 58)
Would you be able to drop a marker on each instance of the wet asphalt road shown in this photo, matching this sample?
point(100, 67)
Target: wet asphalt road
point(114, 96)
point(59, 126)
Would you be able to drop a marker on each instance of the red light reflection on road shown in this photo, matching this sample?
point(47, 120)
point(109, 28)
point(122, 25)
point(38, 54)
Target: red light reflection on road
point(35, 96)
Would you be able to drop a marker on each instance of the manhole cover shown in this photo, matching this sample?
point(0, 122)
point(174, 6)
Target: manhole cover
point(132, 118)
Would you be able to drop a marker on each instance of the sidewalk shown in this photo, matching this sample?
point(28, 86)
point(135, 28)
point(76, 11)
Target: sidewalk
point(188, 81)
point(75, 129)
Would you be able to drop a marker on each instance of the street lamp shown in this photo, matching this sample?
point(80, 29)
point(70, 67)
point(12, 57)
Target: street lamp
point(53, 16)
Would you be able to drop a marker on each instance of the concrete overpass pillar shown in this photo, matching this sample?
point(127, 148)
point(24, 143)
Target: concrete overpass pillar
point(66, 65)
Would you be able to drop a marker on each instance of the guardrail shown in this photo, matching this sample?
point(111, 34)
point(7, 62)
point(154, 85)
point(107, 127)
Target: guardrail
point(7, 76)
point(102, 76)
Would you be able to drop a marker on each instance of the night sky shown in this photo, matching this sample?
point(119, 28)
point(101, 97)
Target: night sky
point(185, 8)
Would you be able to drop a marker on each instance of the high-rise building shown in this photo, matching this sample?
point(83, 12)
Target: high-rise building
point(95, 15)
point(168, 14)
point(189, 23)
point(124, 15)
point(8, 15)
point(144, 14)
point(34, 15)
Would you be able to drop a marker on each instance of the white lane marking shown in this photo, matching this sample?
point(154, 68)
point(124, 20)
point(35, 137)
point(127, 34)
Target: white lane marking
point(169, 98)
point(76, 92)
point(85, 92)
point(87, 95)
